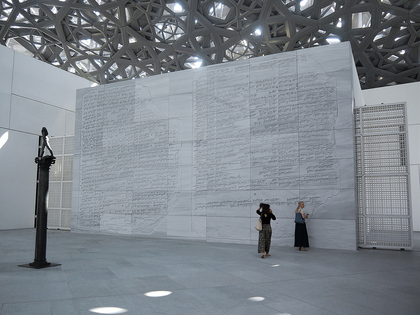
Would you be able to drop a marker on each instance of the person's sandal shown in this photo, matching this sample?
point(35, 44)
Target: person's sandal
point(266, 255)
point(262, 256)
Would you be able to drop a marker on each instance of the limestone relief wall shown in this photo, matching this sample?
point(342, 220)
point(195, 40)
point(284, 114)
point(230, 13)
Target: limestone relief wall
point(191, 154)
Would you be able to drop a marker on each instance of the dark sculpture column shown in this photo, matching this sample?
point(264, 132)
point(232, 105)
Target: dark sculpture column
point(44, 163)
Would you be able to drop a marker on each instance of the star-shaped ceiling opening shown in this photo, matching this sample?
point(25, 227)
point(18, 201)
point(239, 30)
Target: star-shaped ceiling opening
point(107, 40)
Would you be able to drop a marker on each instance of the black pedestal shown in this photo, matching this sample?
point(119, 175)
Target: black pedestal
point(40, 260)
point(39, 266)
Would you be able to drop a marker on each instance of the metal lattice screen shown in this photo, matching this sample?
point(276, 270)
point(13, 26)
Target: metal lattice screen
point(383, 185)
point(60, 184)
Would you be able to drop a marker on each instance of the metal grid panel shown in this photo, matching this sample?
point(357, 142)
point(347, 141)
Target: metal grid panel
point(66, 195)
point(361, 227)
point(54, 195)
point(390, 232)
point(358, 152)
point(69, 145)
point(383, 185)
point(60, 186)
point(56, 169)
point(360, 195)
point(386, 195)
point(379, 117)
point(65, 219)
point(56, 144)
point(385, 153)
point(68, 168)
point(53, 220)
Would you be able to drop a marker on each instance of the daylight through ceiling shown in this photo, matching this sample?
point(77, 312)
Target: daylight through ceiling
point(107, 40)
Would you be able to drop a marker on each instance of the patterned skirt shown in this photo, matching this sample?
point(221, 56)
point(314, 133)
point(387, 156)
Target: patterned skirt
point(264, 239)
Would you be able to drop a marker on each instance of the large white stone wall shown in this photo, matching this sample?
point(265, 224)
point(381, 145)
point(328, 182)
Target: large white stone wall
point(191, 154)
point(33, 94)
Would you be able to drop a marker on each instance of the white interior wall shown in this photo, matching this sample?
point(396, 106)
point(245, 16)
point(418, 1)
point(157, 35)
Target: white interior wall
point(410, 94)
point(33, 94)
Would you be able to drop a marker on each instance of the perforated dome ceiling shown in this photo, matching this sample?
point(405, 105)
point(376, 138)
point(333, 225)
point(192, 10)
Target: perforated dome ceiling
point(106, 41)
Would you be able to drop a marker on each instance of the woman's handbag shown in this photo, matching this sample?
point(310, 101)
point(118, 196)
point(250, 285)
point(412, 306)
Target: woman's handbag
point(299, 219)
point(258, 226)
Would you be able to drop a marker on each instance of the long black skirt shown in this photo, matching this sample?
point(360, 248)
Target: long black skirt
point(301, 235)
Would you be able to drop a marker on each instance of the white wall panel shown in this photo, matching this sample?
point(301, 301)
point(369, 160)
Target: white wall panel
point(30, 116)
point(43, 82)
point(186, 227)
point(283, 232)
point(6, 70)
point(18, 178)
point(70, 121)
point(410, 95)
point(339, 232)
point(182, 81)
point(33, 94)
point(414, 143)
point(191, 154)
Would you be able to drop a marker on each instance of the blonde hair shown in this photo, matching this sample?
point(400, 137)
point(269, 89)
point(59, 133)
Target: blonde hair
point(297, 209)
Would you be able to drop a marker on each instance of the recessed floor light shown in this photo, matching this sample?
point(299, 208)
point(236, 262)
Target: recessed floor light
point(158, 293)
point(108, 310)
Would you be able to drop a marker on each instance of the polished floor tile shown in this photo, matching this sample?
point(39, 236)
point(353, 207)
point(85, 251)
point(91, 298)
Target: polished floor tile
point(103, 274)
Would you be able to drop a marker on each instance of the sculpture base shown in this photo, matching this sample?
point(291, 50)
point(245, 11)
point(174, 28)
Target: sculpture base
point(35, 265)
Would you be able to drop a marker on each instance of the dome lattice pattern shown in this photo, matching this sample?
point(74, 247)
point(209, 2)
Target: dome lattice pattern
point(108, 40)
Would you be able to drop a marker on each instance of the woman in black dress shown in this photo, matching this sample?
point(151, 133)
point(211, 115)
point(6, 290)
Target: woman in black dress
point(264, 239)
point(301, 234)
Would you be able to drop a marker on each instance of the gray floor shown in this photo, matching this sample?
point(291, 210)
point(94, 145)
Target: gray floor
point(204, 278)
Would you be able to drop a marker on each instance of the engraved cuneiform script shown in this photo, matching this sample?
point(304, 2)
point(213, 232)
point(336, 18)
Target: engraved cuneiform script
point(221, 118)
point(124, 159)
point(261, 125)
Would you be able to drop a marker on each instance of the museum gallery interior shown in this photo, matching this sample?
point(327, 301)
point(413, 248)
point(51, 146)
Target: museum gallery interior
point(138, 138)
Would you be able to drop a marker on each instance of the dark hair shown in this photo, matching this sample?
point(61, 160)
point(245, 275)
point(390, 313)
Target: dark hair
point(265, 208)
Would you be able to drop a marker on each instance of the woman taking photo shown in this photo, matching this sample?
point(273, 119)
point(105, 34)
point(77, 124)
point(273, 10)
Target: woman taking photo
point(264, 239)
point(301, 234)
